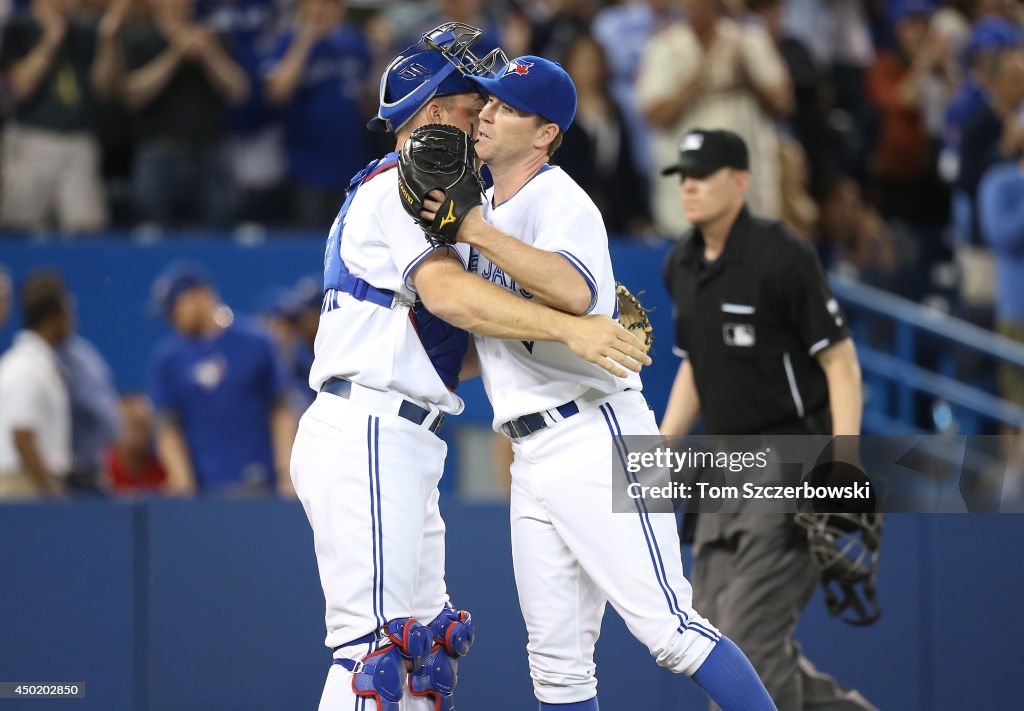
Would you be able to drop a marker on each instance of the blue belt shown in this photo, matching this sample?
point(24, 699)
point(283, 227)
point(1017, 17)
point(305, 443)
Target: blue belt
point(361, 290)
point(408, 410)
point(365, 639)
point(528, 424)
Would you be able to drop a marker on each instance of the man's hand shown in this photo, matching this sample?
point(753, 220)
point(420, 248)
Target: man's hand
point(316, 24)
point(438, 160)
point(186, 41)
point(602, 341)
point(432, 203)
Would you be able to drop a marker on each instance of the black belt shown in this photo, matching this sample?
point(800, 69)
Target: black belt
point(408, 410)
point(528, 424)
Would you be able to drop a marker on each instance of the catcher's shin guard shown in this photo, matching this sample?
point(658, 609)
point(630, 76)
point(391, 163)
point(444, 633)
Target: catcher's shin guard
point(453, 636)
point(381, 675)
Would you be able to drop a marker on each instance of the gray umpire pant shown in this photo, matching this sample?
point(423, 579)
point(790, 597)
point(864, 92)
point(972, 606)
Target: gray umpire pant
point(752, 582)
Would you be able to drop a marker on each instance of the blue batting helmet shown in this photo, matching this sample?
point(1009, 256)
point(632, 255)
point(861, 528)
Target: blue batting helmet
point(436, 66)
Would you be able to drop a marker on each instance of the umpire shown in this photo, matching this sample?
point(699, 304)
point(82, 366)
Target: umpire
point(766, 351)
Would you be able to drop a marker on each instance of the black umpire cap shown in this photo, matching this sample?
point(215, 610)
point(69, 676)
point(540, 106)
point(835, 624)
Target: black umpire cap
point(704, 152)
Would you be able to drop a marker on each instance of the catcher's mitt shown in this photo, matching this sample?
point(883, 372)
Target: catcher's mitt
point(439, 157)
point(633, 315)
point(845, 548)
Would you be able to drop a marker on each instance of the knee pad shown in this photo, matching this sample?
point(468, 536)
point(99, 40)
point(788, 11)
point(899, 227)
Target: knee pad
point(413, 640)
point(452, 636)
point(381, 675)
point(453, 630)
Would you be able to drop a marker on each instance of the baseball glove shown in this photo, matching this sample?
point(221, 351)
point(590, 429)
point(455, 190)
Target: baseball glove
point(439, 157)
point(633, 315)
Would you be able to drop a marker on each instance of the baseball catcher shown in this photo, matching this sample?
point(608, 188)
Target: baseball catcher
point(439, 157)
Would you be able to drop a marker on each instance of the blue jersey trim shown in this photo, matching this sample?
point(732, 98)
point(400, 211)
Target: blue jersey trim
point(652, 542)
point(585, 273)
point(661, 562)
point(543, 169)
point(407, 273)
point(371, 461)
point(335, 270)
point(380, 517)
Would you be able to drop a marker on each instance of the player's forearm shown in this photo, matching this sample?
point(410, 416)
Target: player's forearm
point(683, 407)
point(549, 277)
point(474, 304)
point(172, 452)
point(487, 310)
point(846, 402)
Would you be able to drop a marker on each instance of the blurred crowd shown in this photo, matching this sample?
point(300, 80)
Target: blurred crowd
point(889, 133)
point(872, 123)
point(218, 414)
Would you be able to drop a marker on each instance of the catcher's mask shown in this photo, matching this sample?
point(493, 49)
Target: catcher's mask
point(435, 66)
point(845, 548)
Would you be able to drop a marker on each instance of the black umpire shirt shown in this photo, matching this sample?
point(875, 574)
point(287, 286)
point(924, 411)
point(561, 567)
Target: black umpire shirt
point(751, 323)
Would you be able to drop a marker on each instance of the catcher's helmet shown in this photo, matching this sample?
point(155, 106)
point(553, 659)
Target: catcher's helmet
point(436, 66)
point(845, 548)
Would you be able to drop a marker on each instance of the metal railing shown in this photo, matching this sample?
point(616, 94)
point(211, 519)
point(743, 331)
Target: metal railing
point(896, 379)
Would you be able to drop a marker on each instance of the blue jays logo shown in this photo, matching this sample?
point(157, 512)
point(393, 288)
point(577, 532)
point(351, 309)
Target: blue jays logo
point(518, 67)
point(210, 373)
point(495, 275)
point(413, 71)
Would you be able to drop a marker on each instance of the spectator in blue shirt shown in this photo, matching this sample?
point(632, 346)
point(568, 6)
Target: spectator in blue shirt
point(989, 36)
point(318, 74)
point(1001, 208)
point(255, 143)
point(279, 313)
point(224, 424)
point(993, 132)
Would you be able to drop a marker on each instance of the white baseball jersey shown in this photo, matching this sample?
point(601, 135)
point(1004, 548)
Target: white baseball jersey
point(553, 213)
point(367, 475)
point(359, 340)
point(572, 555)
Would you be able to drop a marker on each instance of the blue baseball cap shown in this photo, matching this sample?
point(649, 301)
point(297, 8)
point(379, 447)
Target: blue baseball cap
point(904, 9)
point(438, 65)
point(308, 294)
point(991, 33)
point(175, 280)
point(537, 86)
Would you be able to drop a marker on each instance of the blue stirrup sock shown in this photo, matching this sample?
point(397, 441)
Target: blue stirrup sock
point(730, 680)
point(588, 705)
